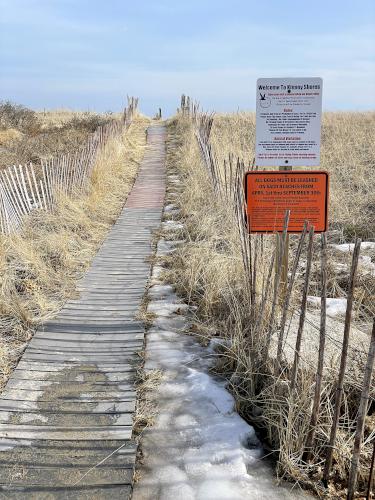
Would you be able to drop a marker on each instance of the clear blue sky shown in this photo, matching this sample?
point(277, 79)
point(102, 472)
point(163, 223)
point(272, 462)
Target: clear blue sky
point(89, 54)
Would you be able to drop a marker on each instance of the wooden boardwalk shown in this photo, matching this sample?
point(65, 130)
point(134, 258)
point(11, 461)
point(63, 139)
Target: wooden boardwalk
point(70, 402)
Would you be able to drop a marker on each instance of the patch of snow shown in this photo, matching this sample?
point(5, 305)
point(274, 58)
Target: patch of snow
point(171, 208)
point(335, 307)
point(165, 307)
point(171, 225)
point(180, 491)
point(219, 489)
point(203, 385)
point(160, 291)
point(199, 447)
point(175, 323)
point(165, 247)
point(349, 247)
point(340, 267)
point(156, 275)
point(216, 342)
point(367, 264)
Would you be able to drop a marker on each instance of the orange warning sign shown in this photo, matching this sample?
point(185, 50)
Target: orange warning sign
point(270, 193)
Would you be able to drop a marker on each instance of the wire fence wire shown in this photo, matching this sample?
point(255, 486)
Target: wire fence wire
point(25, 188)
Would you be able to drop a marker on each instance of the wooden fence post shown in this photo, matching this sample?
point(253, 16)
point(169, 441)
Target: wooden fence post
point(322, 338)
point(289, 291)
point(371, 475)
point(276, 291)
point(283, 248)
point(362, 411)
point(301, 324)
point(344, 355)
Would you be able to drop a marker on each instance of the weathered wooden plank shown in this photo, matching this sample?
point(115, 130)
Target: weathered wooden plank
point(94, 338)
point(73, 376)
point(91, 397)
point(122, 358)
point(95, 325)
point(127, 383)
point(80, 343)
point(30, 432)
point(67, 492)
point(99, 312)
point(103, 303)
point(48, 475)
point(98, 328)
point(107, 407)
point(51, 419)
point(55, 366)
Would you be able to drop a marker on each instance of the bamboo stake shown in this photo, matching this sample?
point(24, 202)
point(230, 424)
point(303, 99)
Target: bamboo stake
point(362, 412)
point(303, 311)
point(344, 355)
point(322, 338)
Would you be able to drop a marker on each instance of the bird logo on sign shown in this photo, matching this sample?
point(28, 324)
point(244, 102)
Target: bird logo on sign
point(265, 102)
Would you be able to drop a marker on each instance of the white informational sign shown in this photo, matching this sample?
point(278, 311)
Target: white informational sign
point(288, 120)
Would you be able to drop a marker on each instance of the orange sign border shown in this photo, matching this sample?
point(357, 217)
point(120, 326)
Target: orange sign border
point(289, 173)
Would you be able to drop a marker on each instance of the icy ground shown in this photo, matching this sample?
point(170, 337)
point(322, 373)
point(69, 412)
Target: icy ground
point(335, 307)
point(199, 448)
point(349, 247)
point(366, 262)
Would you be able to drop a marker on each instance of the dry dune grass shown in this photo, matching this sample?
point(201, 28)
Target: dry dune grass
point(348, 154)
point(40, 265)
point(27, 136)
point(208, 271)
point(9, 135)
point(57, 118)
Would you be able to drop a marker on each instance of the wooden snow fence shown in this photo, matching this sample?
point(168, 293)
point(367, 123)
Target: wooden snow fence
point(24, 188)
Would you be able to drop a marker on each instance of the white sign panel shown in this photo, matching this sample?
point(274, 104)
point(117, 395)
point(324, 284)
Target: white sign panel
point(288, 119)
